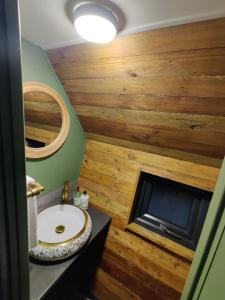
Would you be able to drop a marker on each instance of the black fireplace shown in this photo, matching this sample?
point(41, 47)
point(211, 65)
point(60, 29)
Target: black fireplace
point(172, 209)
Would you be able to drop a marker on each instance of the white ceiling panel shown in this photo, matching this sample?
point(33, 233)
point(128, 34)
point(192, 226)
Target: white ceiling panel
point(46, 24)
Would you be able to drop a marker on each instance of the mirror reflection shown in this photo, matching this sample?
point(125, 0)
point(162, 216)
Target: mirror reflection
point(43, 119)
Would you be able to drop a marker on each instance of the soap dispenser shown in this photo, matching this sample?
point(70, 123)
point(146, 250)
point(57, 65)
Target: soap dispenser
point(84, 200)
point(77, 197)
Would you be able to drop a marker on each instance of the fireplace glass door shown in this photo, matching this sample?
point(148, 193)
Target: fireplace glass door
point(172, 209)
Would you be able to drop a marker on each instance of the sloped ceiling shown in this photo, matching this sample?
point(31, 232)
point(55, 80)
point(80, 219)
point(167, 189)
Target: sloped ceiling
point(46, 24)
point(161, 91)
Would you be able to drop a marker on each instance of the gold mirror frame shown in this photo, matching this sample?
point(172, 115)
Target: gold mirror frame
point(60, 139)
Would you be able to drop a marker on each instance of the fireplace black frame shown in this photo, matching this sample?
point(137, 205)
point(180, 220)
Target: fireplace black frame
point(187, 237)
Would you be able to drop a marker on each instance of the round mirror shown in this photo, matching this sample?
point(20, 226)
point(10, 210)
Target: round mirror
point(46, 120)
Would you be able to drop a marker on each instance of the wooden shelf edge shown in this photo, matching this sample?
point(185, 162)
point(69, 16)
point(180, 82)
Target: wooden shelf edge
point(161, 241)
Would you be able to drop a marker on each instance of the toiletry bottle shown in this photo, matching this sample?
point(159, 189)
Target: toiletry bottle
point(84, 200)
point(77, 197)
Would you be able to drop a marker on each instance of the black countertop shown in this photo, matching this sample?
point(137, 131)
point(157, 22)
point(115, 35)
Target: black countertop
point(44, 276)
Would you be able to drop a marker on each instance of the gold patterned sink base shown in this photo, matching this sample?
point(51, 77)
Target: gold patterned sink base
point(45, 252)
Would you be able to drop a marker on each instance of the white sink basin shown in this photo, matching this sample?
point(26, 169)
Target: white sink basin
point(62, 231)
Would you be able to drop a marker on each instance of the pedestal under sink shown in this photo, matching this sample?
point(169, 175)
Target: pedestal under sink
point(62, 230)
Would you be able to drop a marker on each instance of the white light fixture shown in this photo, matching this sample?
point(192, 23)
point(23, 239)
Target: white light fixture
point(95, 22)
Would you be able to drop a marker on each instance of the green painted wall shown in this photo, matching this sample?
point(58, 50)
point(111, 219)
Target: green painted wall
point(214, 287)
point(65, 163)
point(206, 277)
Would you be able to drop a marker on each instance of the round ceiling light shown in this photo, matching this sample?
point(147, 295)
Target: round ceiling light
point(95, 22)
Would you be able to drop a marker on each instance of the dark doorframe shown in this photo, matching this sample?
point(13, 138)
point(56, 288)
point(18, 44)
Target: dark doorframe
point(14, 271)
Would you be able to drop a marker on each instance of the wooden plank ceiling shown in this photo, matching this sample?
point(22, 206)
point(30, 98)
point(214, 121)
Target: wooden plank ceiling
point(161, 91)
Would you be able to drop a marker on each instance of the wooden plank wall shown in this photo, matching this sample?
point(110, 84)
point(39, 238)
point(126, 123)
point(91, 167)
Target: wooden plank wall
point(157, 92)
point(43, 118)
point(160, 91)
point(133, 268)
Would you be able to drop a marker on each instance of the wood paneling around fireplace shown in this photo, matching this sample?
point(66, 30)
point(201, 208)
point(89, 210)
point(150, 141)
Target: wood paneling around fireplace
point(134, 267)
point(143, 100)
point(160, 91)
